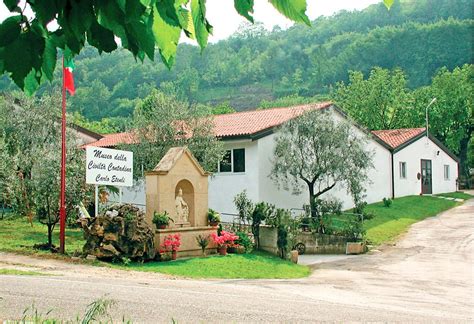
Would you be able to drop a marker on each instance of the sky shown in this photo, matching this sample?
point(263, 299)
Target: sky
point(225, 20)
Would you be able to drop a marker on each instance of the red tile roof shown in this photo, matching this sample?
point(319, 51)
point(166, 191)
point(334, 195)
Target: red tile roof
point(396, 137)
point(110, 140)
point(230, 125)
point(255, 121)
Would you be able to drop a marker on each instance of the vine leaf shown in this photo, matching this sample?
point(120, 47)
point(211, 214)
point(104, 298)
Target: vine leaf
point(202, 27)
point(292, 9)
point(244, 8)
point(388, 3)
point(167, 31)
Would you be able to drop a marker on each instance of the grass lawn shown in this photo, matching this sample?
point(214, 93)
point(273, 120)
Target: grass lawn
point(457, 194)
point(21, 272)
point(256, 265)
point(389, 222)
point(17, 235)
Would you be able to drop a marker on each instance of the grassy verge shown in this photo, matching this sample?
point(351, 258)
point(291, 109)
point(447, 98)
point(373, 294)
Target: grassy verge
point(390, 222)
point(457, 194)
point(17, 235)
point(21, 272)
point(232, 266)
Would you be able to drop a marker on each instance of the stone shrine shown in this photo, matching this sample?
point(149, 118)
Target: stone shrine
point(179, 186)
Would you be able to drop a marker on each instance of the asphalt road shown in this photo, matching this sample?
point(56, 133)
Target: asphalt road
point(426, 277)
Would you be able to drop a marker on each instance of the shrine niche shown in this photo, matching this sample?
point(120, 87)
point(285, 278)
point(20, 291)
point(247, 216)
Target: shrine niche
point(179, 186)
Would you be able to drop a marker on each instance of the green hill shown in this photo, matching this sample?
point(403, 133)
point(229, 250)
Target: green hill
point(254, 65)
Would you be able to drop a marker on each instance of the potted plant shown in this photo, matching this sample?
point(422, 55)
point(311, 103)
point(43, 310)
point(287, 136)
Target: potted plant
point(161, 220)
point(213, 217)
point(203, 242)
point(171, 245)
point(224, 240)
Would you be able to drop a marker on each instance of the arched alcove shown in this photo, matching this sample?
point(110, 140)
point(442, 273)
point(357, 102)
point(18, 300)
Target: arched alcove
point(188, 196)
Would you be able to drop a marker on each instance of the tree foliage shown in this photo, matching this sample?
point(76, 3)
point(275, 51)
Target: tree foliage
point(140, 25)
point(383, 101)
point(161, 122)
point(255, 64)
point(379, 102)
point(318, 152)
point(30, 139)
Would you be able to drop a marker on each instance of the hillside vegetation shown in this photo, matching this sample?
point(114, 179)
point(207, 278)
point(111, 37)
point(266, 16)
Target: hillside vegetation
point(420, 37)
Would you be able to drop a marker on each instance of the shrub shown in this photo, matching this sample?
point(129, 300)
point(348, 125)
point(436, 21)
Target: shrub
point(160, 219)
point(203, 242)
point(359, 209)
point(387, 202)
point(261, 212)
point(244, 206)
point(213, 216)
point(245, 241)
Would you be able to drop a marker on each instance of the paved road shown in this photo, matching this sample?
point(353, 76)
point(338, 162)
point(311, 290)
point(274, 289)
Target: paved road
point(426, 277)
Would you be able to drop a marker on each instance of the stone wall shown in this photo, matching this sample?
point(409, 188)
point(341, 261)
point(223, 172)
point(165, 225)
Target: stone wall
point(322, 243)
point(314, 243)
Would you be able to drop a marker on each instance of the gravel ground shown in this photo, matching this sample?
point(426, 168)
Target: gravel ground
point(426, 277)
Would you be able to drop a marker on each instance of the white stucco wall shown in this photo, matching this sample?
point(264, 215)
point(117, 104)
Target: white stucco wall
point(223, 187)
point(132, 195)
point(425, 149)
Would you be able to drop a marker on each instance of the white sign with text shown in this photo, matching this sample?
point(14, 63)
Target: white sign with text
point(109, 167)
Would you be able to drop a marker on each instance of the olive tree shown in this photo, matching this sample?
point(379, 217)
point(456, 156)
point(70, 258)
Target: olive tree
point(161, 121)
point(316, 151)
point(31, 145)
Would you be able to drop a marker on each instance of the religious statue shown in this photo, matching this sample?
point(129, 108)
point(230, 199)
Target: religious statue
point(182, 209)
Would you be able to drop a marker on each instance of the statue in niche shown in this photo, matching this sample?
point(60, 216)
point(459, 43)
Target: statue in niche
point(182, 209)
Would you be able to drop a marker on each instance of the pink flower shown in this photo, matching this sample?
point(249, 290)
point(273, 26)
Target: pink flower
point(172, 242)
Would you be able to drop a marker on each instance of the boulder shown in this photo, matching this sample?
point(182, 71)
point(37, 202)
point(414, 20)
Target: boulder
point(120, 231)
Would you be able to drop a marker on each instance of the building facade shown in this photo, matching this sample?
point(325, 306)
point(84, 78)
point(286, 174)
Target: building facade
point(405, 161)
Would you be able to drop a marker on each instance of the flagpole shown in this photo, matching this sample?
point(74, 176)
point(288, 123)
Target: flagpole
point(62, 195)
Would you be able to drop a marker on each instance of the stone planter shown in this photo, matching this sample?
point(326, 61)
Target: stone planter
point(355, 247)
point(223, 250)
point(294, 256)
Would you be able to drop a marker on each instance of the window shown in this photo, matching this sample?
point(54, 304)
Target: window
point(233, 161)
point(239, 160)
point(403, 170)
point(446, 172)
point(226, 165)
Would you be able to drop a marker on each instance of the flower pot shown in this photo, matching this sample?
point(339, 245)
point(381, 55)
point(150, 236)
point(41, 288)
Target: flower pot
point(214, 224)
point(163, 226)
point(294, 256)
point(355, 247)
point(223, 249)
point(174, 255)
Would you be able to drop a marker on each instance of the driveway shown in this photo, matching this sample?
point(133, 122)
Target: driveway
point(426, 277)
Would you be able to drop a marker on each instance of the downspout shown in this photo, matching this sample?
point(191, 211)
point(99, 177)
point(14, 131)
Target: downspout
point(393, 176)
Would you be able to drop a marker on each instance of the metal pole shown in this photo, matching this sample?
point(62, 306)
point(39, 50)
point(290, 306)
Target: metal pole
point(120, 195)
point(431, 102)
point(62, 195)
point(96, 201)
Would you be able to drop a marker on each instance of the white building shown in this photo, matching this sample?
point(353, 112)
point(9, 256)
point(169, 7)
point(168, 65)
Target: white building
point(421, 164)
point(249, 138)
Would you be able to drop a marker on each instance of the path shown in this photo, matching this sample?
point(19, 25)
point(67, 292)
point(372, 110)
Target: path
point(426, 277)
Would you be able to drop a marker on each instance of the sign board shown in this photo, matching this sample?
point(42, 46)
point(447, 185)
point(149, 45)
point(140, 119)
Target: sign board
point(109, 167)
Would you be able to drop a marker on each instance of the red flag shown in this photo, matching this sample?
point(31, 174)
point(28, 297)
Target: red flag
point(68, 76)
